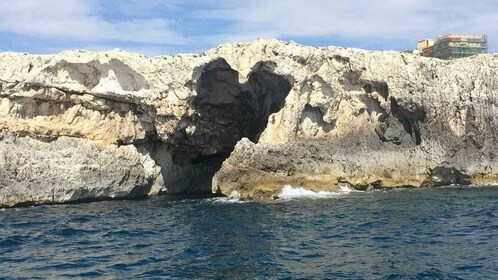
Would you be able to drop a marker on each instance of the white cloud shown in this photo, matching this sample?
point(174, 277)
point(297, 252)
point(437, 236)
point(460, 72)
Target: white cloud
point(81, 20)
point(158, 25)
point(358, 19)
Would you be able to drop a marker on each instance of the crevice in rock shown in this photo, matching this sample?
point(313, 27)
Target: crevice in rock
point(341, 59)
point(315, 115)
point(381, 129)
point(374, 106)
point(410, 118)
point(376, 86)
point(351, 80)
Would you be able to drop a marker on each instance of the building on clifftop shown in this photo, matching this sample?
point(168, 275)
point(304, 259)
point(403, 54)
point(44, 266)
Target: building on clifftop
point(452, 46)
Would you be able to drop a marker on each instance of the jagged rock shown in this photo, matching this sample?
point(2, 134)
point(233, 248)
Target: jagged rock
point(372, 120)
point(316, 117)
point(65, 169)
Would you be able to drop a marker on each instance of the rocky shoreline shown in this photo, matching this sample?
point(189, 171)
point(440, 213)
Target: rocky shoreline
point(251, 118)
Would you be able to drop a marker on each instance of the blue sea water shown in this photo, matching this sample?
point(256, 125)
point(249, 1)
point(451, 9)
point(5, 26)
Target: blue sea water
point(446, 233)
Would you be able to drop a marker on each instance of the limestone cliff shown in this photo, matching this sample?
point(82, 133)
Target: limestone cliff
point(83, 125)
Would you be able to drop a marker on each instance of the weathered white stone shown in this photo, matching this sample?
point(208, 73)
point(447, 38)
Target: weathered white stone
point(35, 171)
point(364, 118)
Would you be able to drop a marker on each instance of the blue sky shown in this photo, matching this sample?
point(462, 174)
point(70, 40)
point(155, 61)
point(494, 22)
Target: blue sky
point(173, 26)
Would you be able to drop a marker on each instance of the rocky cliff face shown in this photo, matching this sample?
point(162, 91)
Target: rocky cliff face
point(83, 125)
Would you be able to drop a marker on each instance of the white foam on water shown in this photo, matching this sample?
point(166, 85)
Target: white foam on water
point(234, 197)
point(288, 192)
point(492, 184)
point(346, 189)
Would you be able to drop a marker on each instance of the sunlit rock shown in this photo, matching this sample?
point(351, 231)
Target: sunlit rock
point(85, 125)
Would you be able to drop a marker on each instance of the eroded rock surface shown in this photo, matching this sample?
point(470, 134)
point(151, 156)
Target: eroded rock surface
point(372, 120)
point(83, 125)
point(66, 169)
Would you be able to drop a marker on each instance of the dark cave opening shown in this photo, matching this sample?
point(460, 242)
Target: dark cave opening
point(409, 118)
point(226, 111)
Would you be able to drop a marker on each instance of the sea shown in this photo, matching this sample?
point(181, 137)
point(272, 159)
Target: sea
point(442, 233)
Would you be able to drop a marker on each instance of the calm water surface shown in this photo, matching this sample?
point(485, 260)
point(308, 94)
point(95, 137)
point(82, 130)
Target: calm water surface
point(447, 233)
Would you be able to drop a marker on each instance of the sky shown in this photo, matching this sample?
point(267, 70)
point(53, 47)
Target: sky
point(156, 27)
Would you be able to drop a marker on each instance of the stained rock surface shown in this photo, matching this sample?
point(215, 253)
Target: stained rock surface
point(84, 125)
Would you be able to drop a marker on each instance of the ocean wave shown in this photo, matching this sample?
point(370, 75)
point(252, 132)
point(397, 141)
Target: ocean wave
point(289, 192)
point(234, 197)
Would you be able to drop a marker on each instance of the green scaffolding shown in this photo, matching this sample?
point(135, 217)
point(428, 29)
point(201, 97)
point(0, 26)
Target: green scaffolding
point(456, 47)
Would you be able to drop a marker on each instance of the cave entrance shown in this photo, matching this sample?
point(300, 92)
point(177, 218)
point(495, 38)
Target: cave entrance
point(226, 111)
